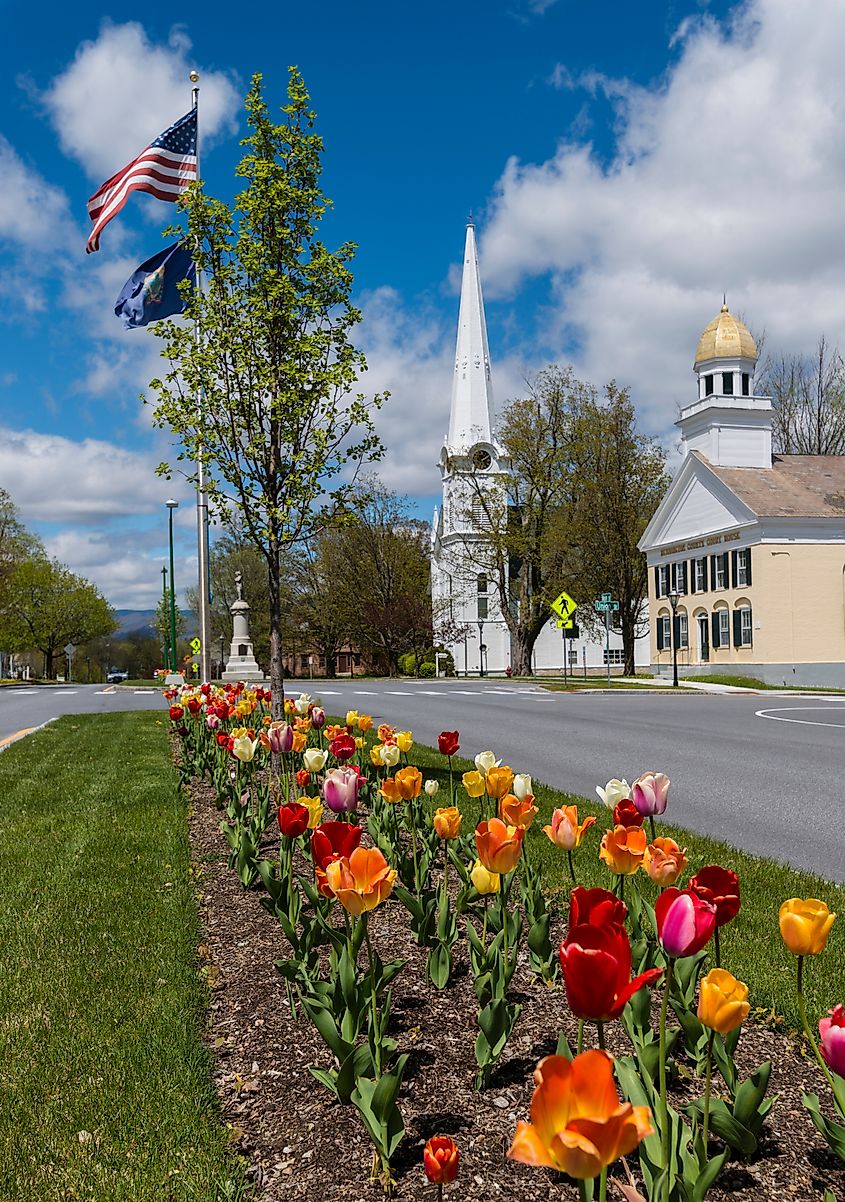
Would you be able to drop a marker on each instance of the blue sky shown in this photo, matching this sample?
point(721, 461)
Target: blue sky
point(624, 164)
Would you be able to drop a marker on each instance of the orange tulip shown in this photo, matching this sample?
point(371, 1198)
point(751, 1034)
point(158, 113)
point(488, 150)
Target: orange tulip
point(385, 733)
point(664, 861)
point(514, 812)
point(564, 831)
point(623, 848)
point(578, 1125)
point(390, 789)
point(447, 822)
point(365, 723)
point(332, 731)
point(361, 882)
point(499, 847)
point(303, 724)
point(498, 782)
point(299, 741)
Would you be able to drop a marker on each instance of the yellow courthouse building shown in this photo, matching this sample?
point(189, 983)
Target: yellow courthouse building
point(746, 551)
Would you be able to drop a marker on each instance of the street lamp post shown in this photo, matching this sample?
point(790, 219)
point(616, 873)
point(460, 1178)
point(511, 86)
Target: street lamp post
point(108, 659)
point(674, 597)
point(171, 505)
point(481, 647)
point(222, 668)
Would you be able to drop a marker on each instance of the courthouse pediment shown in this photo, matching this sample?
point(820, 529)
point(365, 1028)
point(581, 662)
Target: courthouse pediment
point(696, 501)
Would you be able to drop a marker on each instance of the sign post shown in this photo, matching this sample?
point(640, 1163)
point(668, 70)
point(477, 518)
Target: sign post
point(564, 606)
point(607, 606)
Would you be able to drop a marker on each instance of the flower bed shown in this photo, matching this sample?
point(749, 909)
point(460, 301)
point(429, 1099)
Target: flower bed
point(470, 1015)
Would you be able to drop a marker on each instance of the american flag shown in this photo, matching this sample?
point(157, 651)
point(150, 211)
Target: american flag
point(164, 168)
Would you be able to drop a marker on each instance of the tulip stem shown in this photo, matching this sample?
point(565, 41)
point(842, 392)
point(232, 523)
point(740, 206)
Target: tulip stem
point(603, 1185)
point(651, 827)
point(802, 1010)
point(717, 949)
point(484, 924)
point(373, 1003)
point(600, 1033)
point(580, 1036)
point(440, 1191)
point(571, 866)
point(664, 1105)
point(707, 1080)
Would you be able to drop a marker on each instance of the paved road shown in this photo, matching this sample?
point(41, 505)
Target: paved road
point(765, 773)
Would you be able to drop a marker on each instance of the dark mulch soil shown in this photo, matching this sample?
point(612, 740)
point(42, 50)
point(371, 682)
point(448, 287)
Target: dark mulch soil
point(302, 1145)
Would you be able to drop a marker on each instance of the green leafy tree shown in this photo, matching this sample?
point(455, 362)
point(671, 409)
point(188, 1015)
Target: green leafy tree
point(265, 395)
point(618, 479)
point(161, 623)
point(376, 565)
point(46, 606)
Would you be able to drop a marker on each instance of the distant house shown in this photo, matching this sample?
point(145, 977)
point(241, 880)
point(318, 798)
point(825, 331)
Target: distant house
point(749, 545)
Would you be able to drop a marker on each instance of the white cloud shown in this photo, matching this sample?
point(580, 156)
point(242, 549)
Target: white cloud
point(728, 174)
point(127, 570)
point(56, 479)
point(34, 214)
point(94, 103)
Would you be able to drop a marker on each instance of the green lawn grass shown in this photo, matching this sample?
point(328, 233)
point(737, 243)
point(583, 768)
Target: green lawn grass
point(751, 682)
point(105, 1087)
point(751, 945)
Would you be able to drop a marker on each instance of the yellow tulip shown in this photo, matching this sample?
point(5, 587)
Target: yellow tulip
point(351, 717)
point(484, 881)
point(365, 722)
point(404, 740)
point(447, 822)
point(722, 1001)
point(315, 810)
point(498, 782)
point(473, 783)
point(805, 925)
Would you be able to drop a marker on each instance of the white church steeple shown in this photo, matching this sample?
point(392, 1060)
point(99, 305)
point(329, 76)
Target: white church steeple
point(470, 419)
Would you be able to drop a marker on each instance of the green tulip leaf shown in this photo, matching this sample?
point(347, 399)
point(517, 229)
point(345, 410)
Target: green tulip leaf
point(833, 1132)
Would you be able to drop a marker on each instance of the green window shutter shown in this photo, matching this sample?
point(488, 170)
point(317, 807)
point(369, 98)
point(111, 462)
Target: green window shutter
point(714, 621)
point(713, 574)
point(748, 564)
point(659, 634)
point(691, 575)
point(737, 617)
point(734, 558)
point(657, 582)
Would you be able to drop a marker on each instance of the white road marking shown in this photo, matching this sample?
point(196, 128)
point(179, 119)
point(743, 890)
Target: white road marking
point(362, 693)
point(397, 693)
point(143, 692)
point(68, 692)
point(429, 693)
point(801, 709)
point(326, 693)
point(22, 692)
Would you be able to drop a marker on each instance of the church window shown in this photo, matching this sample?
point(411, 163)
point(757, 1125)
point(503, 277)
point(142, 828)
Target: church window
point(708, 385)
point(482, 595)
point(728, 383)
point(746, 384)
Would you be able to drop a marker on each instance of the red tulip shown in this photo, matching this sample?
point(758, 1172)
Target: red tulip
point(448, 743)
point(176, 713)
point(342, 748)
point(627, 814)
point(334, 839)
point(440, 1159)
point(596, 907)
point(293, 819)
point(303, 778)
point(684, 922)
point(222, 739)
point(194, 706)
point(719, 887)
point(596, 963)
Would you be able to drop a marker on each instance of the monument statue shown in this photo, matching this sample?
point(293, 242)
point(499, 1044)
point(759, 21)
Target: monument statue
point(241, 664)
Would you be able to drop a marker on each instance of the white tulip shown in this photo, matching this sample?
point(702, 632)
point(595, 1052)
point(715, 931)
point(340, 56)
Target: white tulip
point(390, 755)
point(432, 787)
point(613, 792)
point(314, 759)
point(521, 787)
point(484, 761)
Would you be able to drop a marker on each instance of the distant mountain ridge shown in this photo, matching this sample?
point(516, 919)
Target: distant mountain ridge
point(139, 621)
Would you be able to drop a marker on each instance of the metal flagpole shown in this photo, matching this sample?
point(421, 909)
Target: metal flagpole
point(202, 498)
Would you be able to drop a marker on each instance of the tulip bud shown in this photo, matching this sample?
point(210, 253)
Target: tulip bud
point(684, 922)
point(650, 793)
point(485, 760)
point(404, 740)
point(447, 822)
point(521, 787)
point(484, 881)
point(805, 925)
point(440, 1160)
point(318, 717)
point(432, 787)
point(722, 1001)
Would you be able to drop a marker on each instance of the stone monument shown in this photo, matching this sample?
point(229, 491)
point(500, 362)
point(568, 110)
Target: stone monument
point(241, 664)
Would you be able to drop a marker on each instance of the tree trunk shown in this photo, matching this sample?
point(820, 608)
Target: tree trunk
point(48, 664)
point(522, 646)
point(331, 664)
point(628, 642)
point(277, 685)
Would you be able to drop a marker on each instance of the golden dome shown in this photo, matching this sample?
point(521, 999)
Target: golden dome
point(726, 337)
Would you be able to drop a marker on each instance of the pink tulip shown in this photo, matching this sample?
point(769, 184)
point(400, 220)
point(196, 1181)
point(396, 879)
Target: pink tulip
point(832, 1037)
point(318, 717)
point(280, 738)
point(650, 792)
point(684, 922)
point(212, 722)
point(340, 789)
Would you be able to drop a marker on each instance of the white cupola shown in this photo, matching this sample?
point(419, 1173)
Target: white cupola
point(728, 424)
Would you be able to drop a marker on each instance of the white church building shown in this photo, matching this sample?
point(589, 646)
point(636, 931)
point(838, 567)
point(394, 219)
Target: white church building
point(473, 464)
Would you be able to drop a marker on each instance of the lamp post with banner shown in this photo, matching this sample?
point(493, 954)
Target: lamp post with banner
point(674, 597)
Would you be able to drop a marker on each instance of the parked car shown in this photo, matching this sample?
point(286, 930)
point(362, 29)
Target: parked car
point(117, 677)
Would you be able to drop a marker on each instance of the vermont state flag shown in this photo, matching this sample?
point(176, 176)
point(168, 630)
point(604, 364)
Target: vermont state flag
point(152, 291)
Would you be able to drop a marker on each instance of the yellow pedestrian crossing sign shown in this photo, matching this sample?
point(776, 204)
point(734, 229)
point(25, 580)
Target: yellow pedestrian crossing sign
point(564, 606)
point(196, 646)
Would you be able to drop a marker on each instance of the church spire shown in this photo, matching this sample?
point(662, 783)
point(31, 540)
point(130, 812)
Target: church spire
point(472, 392)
